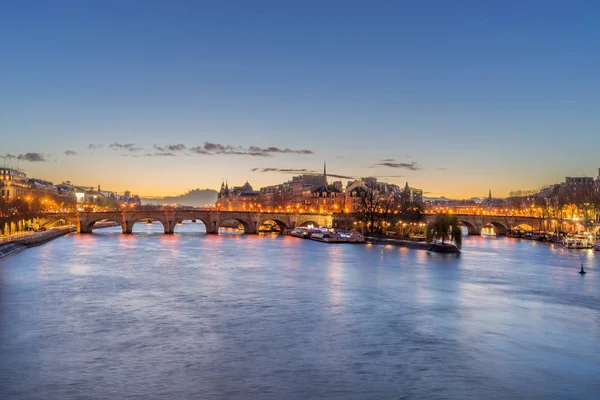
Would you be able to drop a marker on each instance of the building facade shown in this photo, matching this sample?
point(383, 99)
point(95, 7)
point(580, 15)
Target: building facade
point(13, 184)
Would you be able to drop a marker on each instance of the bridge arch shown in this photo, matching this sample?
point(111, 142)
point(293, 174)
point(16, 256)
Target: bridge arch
point(499, 228)
point(222, 223)
point(308, 223)
point(88, 225)
point(208, 224)
point(129, 223)
point(471, 228)
point(280, 224)
point(525, 227)
point(50, 223)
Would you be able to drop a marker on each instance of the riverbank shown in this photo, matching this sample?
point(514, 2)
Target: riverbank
point(16, 243)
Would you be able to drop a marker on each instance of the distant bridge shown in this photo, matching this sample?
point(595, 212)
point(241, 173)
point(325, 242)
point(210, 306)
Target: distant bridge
point(475, 223)
point(212, 219)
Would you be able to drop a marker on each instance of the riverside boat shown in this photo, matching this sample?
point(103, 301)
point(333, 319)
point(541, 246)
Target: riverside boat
point(338, 237)
point(301, 232)
point(579, 241)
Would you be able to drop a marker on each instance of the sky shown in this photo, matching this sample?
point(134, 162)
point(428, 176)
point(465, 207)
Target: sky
point(159, 97)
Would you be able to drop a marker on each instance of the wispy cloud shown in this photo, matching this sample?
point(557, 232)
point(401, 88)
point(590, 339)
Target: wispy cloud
point(216, 148)
point(285, 170)
point(124, 147)
point(170, 147)
point(440, 169)
point(412, 166)
point(340, 176)
point(200, 150)
point(30, 157)
point(94, 146)
point(300, 171)
point(160, 154)
point(70, 153)
point(388, 160)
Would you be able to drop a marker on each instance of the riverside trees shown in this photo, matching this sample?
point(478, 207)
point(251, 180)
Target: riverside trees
point(382, 209)
point(443, 227)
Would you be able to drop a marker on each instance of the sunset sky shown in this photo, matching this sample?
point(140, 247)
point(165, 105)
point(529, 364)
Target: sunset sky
point(159, 97)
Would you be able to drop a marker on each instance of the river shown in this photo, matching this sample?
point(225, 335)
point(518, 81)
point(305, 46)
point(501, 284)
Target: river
point(191, 316)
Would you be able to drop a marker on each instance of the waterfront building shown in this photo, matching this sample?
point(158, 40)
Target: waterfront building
point(240, 198)
point(13, 183)
point(309, 193)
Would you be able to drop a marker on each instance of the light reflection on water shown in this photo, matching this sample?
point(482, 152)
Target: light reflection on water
point(231, 316)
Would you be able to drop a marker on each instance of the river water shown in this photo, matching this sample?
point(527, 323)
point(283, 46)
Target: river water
point(190, 316)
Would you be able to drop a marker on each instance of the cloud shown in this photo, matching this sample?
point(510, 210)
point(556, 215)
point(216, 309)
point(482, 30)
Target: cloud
point(94, 146)
point(30, 157)
point(216, 148)
point(170, 147)
point(200, 150)
point(160, 154)
point(278, 150)
point(176, 147)
point(412, 166)
point(440, 169)
point(301, 171)
point(339, 176)
point(70, 153)
point(388, 160)
point(124, 147)
point(284, 170)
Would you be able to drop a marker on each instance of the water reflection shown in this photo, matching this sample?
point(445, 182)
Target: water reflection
point(232, 316)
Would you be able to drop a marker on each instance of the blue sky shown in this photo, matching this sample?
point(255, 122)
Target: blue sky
point(463, 96)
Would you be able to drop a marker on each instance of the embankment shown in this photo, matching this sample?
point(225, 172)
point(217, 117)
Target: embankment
point(14, 244)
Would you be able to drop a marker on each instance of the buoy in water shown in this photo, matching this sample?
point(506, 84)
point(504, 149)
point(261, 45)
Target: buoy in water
point(582, 272)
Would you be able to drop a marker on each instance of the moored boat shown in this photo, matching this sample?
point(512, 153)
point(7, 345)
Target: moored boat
point(579, 241)
point(338, 237)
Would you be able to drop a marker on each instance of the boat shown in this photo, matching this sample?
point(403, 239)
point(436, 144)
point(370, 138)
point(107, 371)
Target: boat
point(514, 233)
point(488, 231)
point(338, 236)
point(596, 246)
point(579, 241)
point(301, 232)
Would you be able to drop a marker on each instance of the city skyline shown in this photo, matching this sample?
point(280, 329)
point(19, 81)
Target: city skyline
point(163, 98)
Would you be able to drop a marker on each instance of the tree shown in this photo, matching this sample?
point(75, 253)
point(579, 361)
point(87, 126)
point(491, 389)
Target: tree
point(444, 226)
point(369, 208)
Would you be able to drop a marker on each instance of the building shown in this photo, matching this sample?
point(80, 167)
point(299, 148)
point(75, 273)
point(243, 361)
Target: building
point(240, 198)
point(13, 183)
point(417, 196)
point(576, 185)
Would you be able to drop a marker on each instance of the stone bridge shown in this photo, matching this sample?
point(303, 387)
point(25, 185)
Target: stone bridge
point(251, 221)
point(502, 224)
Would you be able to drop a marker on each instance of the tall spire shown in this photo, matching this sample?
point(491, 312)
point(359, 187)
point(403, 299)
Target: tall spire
point(325, 171)
point(490, 195)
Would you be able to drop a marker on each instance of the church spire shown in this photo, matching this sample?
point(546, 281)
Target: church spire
point(325, 171)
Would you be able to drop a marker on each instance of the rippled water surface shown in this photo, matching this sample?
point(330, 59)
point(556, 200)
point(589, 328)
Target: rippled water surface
point(190, 316)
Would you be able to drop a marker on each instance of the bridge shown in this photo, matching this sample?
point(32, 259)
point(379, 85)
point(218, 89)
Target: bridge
point(212, 219)
point(475, 223)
